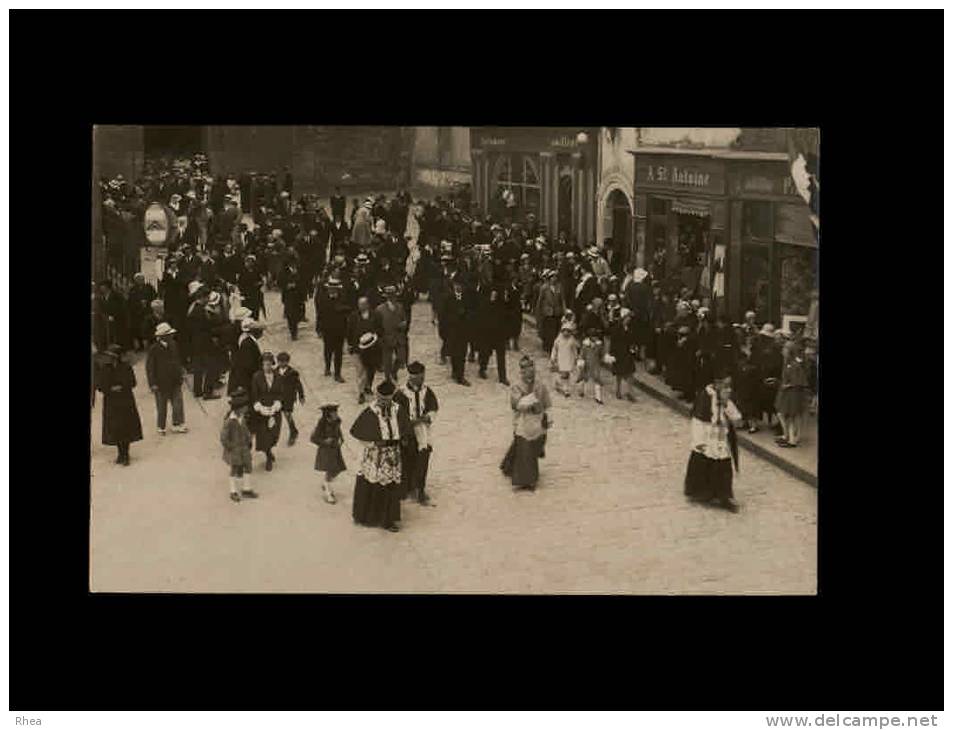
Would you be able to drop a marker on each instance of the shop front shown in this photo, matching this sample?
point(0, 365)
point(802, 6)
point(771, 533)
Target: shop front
point(548, 172)
point(730, 227)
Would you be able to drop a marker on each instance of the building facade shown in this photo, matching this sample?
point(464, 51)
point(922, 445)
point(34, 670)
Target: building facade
point(550, 172)
point(441, 158)
point(725, 200)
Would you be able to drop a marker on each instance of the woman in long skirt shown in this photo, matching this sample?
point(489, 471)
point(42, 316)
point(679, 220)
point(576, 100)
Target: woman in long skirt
point(266, 392)
point(121, 424)
point(709, 476)
point(622, 344)
point(381, 428)
point(530, 402)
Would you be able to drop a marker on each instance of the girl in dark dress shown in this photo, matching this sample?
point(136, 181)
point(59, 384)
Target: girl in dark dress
point(622, 344)
point(328, 438)
point(121, 424)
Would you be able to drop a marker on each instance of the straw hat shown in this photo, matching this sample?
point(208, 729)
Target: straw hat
point(164, 329)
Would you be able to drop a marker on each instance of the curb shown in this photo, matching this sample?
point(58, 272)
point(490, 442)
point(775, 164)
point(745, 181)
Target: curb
point(743, 441)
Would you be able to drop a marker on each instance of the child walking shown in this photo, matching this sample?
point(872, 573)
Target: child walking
point(236, 445)
point(593, 351)
point(563, 357)
point(328, 438)
point(291, 390)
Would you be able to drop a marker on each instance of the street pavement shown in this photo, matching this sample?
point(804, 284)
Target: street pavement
point(608, 517)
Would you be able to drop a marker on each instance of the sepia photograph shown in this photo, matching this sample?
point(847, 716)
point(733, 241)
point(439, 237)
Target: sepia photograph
point(454, 360)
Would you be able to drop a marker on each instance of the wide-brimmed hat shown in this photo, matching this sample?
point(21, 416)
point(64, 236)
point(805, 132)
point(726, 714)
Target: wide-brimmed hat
point(329, 407)
point(164, 329)
point(195, 288)
point(213, 299)
point(386, 388)
point(625, 312)
point(380, 226)
point(567, 327)
point(592, 251)
point(114, 350)
point(639, 275)
point(249, 324)
point(368, 340)
point(415, 368)
point(767, 329)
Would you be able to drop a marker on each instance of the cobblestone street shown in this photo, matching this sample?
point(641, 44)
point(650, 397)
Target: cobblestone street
point(608, 517)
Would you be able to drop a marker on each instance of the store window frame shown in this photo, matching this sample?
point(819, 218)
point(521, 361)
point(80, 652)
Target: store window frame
point(522, 190)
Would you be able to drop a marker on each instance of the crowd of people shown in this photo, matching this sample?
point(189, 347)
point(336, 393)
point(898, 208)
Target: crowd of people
point(357, 270)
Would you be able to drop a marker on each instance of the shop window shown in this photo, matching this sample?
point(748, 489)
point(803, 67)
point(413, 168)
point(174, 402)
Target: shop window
point(658, 206)
point(522, 180)
point(756, 280)
point(756, 220)
point(798, 278)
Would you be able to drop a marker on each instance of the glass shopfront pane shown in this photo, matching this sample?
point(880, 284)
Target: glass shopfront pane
point(756, 280)
point(798, 277)
point(531, 200)
point(756, 220)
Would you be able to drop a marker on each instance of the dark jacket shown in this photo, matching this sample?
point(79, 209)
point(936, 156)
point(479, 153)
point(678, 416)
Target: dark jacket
point(164, 367)
point(245, 363)
point(121, 422)
point(357, 326)
point(332, 315)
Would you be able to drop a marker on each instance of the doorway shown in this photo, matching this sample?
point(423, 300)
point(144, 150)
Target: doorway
point(172, 141)
point(617, 206)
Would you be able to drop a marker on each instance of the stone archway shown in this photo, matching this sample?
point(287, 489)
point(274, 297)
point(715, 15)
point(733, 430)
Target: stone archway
point(617, 223)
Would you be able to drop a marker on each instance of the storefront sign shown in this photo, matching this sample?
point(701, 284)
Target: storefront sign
point(679, 173)
point(528, 139)
point(775, 181)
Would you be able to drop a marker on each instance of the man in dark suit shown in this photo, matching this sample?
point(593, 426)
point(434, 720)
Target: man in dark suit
point(491, 330)
point(333, 311)
point(457, 321)
point(115, 313)
point(338, 205)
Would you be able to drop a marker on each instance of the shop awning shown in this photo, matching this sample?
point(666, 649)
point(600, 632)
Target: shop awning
point(793, 225)
point(698, 208)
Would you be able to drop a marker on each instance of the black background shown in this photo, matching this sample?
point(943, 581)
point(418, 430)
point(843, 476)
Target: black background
point(871, 640)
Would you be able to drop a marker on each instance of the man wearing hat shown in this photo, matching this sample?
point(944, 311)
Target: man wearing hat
point(139, 297)
point(456, 319)
point(420, 403)
point(362, 338)
point(247, 359)
point(200, 327)
point(331, 324)
point(338, 205)
point(115, 314)
point(392, 318)
point(381, 428)
point(250, 283)
point(549, 309)
point(164, 373)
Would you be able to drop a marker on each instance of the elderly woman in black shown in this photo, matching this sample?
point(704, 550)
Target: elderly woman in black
point(121, 424)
